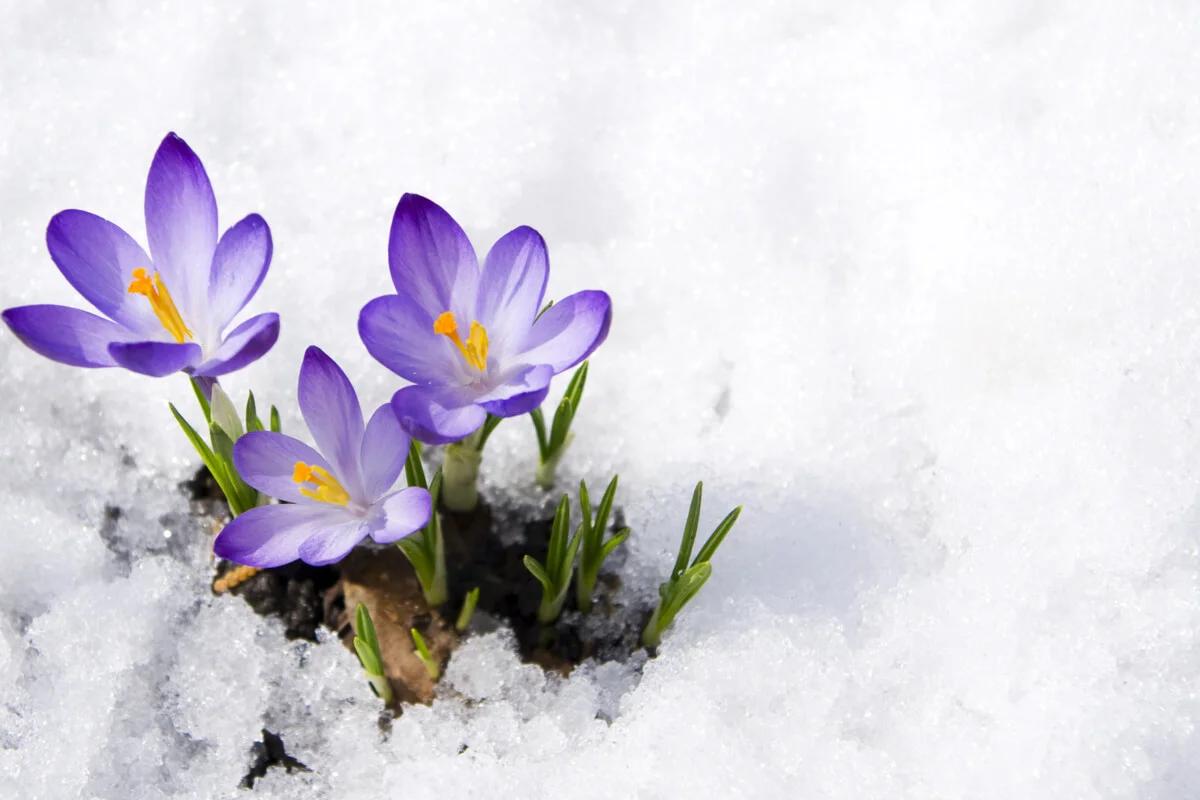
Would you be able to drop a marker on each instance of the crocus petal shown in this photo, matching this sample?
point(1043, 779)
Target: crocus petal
point(244, 345)
point(511, 287)
point(431, 259)
point(332, 544)
point(66, 335)
point(155, 359)
point(401, 513)
point(399, 334)
point(436, 415)
point(267, 461)
point(98, 259)
point(520, 390)
point(270, 536)
point(334, 417)
point(238, 268)
point(384, 450)
point(569, 331)
point(181, 224)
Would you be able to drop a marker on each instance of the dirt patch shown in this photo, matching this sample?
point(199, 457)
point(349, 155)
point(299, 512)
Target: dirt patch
point(483, 549)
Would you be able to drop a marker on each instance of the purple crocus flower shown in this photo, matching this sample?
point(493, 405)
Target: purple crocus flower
point(164, 314)
point(470, 339)
point(336, 494)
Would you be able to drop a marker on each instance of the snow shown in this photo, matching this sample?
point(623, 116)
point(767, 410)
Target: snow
point(911, 281)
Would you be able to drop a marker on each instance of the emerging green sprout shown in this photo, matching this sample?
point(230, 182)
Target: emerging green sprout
point(425, 549)
point(686, 581)
point(366, 644)
point(551, 447)
point(555, 574)
point(467, 611)
point(460, 468)
point(225, 428)
point(593, 548)
point(426, 658)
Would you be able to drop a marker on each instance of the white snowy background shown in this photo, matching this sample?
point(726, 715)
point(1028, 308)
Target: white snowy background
point(915, 282)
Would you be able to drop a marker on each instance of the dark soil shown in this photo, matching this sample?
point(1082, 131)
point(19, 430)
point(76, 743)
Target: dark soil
point(266, 754)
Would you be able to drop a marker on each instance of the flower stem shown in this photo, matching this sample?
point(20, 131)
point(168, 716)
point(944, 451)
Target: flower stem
point(459, 473)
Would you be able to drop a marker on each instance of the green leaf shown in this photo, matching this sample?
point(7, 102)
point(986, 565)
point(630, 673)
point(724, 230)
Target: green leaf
point(718, 535)
point(246, 497)
point(562, 424)
point(539, 427)
point(688, 585)
point(689, 533)
point(414, 470)
point(557, 549)
point(364, 626)
point(576, 384)
point(612, 544)
point(424, 655)
point(204, 405)
point(538, 571)
point(489, 424)
point(253, 423)
point(545, 308)
point(585, 509)
point(413, 548)
point(202, 448)
point(367, 657)
point(606, 503)
point(276, 426)
point(211, 460)
point(468, 610)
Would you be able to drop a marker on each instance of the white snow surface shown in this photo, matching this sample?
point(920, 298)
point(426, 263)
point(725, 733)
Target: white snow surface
point(915, 282)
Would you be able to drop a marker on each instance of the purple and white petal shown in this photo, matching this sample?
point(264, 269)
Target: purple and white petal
point(511, 288)
point(431, 259)
point(267, 461)
point(334, 543)
point(66, 335)
point(244, 345)
point(334, 417)
point(569, 331)
point(399, 334)
point(270, 536)
point(181, 225)
point(156, 359)
point(400, 514)
point(437, 415)
point(98, 259)
point(238, 268)
point(384, 451)
point(520, 390)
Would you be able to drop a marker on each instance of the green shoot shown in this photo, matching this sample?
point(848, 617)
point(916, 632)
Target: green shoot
point(552, 444)
point(366, 644)
point(224, 429)
point(467, 611)
point(426, 549)
point(686, 581)
point(426, 658)
point(594, 548)
point(555, 574)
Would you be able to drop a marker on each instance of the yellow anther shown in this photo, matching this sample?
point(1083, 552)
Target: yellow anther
point(160, 301)
point(324, 487)
point(475, 349)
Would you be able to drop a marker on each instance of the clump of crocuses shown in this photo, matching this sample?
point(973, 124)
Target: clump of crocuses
point(477, 342)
